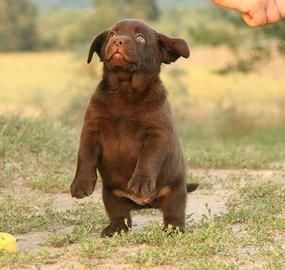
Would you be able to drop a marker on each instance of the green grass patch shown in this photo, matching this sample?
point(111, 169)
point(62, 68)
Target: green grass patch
point(213, 243)
point(28, 213)
point(259, 208)
point(43, 257)
point(22, 215)
point(39, 153)
point(262, 149)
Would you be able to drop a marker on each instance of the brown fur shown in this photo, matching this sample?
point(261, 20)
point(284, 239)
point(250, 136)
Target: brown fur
point(128, 133)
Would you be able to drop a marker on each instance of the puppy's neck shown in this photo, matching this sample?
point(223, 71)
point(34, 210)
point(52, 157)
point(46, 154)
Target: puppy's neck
point(124, 81)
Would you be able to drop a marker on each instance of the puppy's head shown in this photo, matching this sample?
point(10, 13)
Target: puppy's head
point(133, 46)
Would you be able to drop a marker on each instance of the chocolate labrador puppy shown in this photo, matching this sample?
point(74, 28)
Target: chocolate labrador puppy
point(128, 133)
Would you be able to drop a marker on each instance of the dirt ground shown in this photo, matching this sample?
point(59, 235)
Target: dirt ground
point(203, 202)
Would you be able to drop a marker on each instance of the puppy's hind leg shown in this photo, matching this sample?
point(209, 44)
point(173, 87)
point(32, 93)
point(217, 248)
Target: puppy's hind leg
point(118, 210)
point(173, 207)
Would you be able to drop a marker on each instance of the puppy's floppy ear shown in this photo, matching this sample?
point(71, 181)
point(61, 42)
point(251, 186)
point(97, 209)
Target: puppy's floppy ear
point(172, 48)
point(97, 45)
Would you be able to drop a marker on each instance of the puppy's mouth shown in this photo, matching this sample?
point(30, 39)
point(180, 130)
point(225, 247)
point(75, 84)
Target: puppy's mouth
point(111, 53)
point(118, 57)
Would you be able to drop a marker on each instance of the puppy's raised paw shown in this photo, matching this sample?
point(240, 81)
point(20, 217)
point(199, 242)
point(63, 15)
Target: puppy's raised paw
point(82, 188)
point(141, 184)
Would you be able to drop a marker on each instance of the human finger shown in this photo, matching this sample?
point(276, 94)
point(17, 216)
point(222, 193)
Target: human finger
point(232, 4)
point(281, 7)
point(272, 12)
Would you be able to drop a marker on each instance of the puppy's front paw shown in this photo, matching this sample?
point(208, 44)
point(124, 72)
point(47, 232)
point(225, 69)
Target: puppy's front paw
point(113, 228)
point(82, 188)
point(141, 184)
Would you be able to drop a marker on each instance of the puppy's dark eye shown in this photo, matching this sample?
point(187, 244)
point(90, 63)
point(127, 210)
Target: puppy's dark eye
point(112, 34)
point(140, 38)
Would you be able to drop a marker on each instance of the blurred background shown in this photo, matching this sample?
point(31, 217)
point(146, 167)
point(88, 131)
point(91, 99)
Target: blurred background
point(228, 98)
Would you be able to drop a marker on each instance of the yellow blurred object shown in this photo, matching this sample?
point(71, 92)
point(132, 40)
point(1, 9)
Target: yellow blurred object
point(8, 242)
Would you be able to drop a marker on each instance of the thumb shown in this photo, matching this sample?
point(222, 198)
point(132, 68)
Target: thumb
point(255, 19)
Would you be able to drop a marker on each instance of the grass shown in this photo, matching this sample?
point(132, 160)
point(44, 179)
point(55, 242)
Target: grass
point(250, 233)
point(261, 149)
point(43, 155)
point(40, 155)
point(211, 244)
point(37, 151)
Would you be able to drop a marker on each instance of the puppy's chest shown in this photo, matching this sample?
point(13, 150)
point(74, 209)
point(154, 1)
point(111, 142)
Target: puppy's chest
point(120, 126)
point(121, 135)
point(121, 140)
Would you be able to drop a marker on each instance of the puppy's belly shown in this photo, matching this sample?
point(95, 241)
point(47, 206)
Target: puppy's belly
point(142, 199)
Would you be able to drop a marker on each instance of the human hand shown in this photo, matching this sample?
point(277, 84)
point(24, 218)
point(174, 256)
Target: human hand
point(256, 12)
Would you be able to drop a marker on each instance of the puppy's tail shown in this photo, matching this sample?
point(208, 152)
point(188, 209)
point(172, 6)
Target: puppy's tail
point(191, 187)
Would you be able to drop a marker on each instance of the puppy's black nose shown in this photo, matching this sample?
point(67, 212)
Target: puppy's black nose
point(119, 40)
